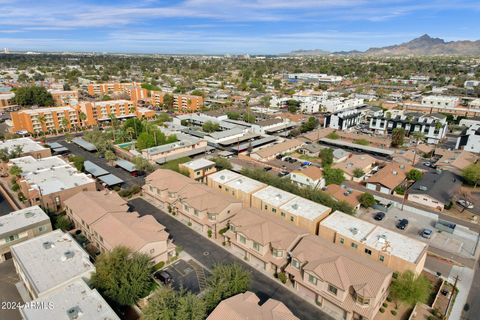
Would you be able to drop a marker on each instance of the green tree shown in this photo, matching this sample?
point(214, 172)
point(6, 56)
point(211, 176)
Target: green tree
point(398, 137)
point(414, 174)
point(167, 304)
point(226, 280)
point(333, 176)
point(358, 173)
point(168, 101)
point(366, 200)
point(33, 95)
point(15, 171)
point(198, 93)
point(210, 126)
point(250, 118)
point(110, 155)
point(142, 164)
point(293, 106)
point(191, 307)
point(233, 115)
point(471, 174)
point(326, 155)
point(222, 163)
point(123, 276)
point(78, 162)
point(410, 289)
point(63, 223)
point(311, 124)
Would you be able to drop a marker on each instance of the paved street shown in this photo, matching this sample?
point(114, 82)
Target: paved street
point(8, 291)
point(209, 254)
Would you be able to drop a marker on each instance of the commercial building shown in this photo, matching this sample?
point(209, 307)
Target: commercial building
point(311, 176)
point(105, 221)
point(204, 209)
point(73, 301)
point(313, 77)
point(247, 306)
point(299, 211)
point(27, 147)
point(49, 262)
point(198, 169)
point(50, 119)
point(262, 239)
point(235, 184)
point(396, 251)
point(21, 225)
point(389, 177)
point(50, 181)
point(344, 284)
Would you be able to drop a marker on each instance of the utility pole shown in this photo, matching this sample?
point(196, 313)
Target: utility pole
point(445, 316)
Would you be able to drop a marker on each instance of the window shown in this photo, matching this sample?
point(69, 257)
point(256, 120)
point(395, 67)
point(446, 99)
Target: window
point(101, 239)
point(381, 258)
point(232, 227)
point(296, 264)
point(277, 253)
point(332, 289)
point(292, 219)
point(185, 207)
point(42, 228)
point(282, 214)
point(368, 251)
point(257, 246)
point(354, 245)
point(363, 301)
point(266, 207)
point(274, 210)
point(11, 238)
point(242, 239)
point(195, 212)
point(152, 251)
point(342, 241)
point(312, 279)
point(57, 200)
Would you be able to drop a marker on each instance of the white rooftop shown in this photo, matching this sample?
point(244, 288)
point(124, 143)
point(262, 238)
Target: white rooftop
point(74, 299)
point(245, 184)
point(27, 144)
point(47, 110)
point(199, 164)
point(20, 219)
point(51, 260)
point(224, 176)
point(375, 236)
point(274, 196)
point(305, 208)
point(30, 164)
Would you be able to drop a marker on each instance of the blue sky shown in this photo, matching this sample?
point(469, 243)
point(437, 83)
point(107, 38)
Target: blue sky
point(230, 26)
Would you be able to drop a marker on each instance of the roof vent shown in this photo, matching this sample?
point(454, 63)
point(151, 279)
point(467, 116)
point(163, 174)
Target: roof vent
point(423, 188)
point(222, 177)
point(48, 245)
point(74, 313)
point(295, 206)
point(354, 230)
point(29, 214)
point(402, 166)
point(395, 173)
point(68, 255)
point(278, 196)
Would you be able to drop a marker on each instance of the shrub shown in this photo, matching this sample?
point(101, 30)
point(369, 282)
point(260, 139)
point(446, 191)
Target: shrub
point(382, 310)
point(282, 277)
point(209, 233)
point(159, 265)
point(223, 230)
point(389, 299)
point(385, 305)
point(393, 312)
point(189, 224)
point(15, 187)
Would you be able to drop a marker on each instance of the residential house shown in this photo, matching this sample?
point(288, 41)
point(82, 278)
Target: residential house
point(106, 222)
point(262, 239)
point(21, 225)
point(49, 262)
point(342, 283)
point(342, 193)
point(247, 306)
point(198, 169)
point(356, 166)
point(434, 189)
point(310, 176)
point(389, 177)
point(396, 251)
point(455, 161)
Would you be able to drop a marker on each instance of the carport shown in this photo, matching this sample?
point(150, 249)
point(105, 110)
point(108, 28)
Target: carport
point(84, 144)
point(110, 180)
point(127, 166)
point(94, 170)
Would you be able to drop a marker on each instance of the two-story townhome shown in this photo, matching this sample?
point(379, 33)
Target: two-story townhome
point(345, 285)
point(262, 240)
point(198, 169)
point(311, 176)
point(21, 225)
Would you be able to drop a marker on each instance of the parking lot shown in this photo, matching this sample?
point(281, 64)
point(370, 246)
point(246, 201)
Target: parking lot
point(8, 290)
point(463, 243)
point(185, 275)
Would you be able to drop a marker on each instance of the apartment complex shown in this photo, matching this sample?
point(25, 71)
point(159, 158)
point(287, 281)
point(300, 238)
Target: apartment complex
point(440, 101)
point(187, 146)
point(101, 111)
point(108, 88)
point(27, 147)
point(64, 97)
point(49, 262)
point(21, 225)
point(262, 239)
point(270, 152)
point(394, 250)
point(205, 210)
point(187, 103)
point(247, 306)
point(105, 221)
point(50, 181)
point(45, 119)
point(198, 169)
point(6, 99)
point(339, 281)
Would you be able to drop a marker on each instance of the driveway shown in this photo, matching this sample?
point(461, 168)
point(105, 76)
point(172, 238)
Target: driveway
point(209, 254)
point(8, 290)
point(187, 275)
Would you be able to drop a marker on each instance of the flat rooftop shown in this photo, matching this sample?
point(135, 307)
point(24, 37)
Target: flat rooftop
point(27, 145)
point(245, 184)
point(374, 236)
point(21, 219)
point(305, 208)
point(51, 260)
point(274, 196)
point(224, 176)
point(199, 164)
point(74, 298)
point(30, 164)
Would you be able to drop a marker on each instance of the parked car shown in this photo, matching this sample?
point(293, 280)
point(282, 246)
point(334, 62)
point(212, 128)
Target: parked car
point(379, 216)
point(427, 164)
point(163, 276)
point(402, 224)
point(427, 233)
point(465, 203)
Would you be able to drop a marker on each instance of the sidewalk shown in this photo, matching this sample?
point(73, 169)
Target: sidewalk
point(465, 279)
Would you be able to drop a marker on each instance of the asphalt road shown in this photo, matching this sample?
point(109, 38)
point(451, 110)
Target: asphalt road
point(8, 291)
point(209, 254)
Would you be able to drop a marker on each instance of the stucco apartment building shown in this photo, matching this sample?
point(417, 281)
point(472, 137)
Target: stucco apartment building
point(108, 88)
point(21, 225)
point(45, 119)
point(105, 221)
point(187, 103)
point(100, 111)
point(175, 150)
point(262, 239)
point(49, 262)
point(235, 184)
point(198, 169)
point(345, 285)
point(247, 306)
point(28, 147)
point(270, 152)
point(64, 97)
point(50, 181)
point(392, 249)
point(204, 209)
point(299, 211)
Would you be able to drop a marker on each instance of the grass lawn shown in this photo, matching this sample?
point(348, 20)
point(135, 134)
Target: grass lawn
point(173, 165)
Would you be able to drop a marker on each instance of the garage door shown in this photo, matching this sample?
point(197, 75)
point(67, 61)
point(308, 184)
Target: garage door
point(305, 292)
point(196, 226)
point(239, 252)
point(333, 310)
point(257, 262)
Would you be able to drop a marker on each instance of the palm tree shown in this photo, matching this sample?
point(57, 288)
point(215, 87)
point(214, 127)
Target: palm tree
point(130, 131)
point(417, 136)
point(64, 123)
point(82, 117)
point(42, 120)
point(113, 120)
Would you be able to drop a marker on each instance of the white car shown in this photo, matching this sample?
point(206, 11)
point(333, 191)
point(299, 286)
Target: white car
point(466, 204)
